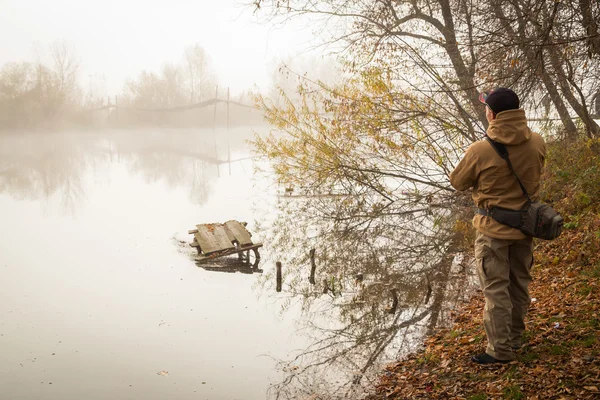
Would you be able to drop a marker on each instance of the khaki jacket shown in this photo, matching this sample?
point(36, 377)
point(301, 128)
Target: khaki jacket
point(490, 177)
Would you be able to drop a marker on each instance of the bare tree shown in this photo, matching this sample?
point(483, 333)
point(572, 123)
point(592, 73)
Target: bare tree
point(451, 49)
point(198, 74)
point(65, 67)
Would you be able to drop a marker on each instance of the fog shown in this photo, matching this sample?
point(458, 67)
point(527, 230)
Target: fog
point(116, 40)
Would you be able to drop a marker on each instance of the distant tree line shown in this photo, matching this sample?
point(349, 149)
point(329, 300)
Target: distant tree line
point(50, 93)
point(34, 92)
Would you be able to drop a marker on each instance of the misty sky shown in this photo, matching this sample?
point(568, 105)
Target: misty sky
point(120, 38)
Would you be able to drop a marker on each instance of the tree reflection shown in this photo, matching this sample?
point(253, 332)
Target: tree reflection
point(33, 174)
point(40, 167)
point(381, 285)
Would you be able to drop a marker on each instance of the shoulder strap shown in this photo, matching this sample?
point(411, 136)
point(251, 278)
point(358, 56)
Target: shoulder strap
point(503, 152)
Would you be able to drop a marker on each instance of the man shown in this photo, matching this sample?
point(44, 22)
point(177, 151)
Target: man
point(504, 255)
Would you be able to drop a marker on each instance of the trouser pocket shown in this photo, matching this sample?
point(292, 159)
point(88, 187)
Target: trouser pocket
point(481, 274)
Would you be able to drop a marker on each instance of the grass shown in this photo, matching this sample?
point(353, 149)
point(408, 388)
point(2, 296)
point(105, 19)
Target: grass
point(585, 290)
point(593, 272)
point(429, 358)
point(559, 350)
point(479, 338)
point(529, 357)
point(479, 396)
point(512, 373)
point(513, 392)
point(454, 334)
point(588, 341)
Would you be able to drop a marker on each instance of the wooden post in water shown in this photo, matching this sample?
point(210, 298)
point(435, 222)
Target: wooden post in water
point(313, 266)
point(228, 149)
point(279, 276)
point(325, 286)
point(214, 127)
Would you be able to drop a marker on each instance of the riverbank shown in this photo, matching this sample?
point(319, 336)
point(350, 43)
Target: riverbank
point(561, 359)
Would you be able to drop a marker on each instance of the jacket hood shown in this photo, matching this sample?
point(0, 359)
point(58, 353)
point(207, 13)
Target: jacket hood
point(509, 127)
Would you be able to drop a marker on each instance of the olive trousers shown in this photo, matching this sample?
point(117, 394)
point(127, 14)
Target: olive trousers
point(503, 267)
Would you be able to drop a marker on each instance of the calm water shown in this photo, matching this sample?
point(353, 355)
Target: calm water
point(100, 297)
point(97, 296)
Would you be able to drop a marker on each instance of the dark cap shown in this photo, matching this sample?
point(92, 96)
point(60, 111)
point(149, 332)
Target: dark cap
point(500, 99)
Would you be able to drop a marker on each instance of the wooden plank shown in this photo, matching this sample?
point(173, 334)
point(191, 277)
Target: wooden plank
point(250, 246)
point(230, 234)
point(222, 238)
point(201, 259)
point(191, 232)
point(206, 239)
point(240, 233)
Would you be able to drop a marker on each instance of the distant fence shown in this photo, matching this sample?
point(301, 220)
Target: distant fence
point(186, 107)
point(113, 113)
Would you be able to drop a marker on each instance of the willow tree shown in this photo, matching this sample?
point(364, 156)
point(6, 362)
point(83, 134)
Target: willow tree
point(368, 166)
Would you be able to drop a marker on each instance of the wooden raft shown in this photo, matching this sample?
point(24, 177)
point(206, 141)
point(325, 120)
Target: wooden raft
point(219, 240)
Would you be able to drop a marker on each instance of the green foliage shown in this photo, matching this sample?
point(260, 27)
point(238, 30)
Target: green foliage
point(585, 290)
point(588, 341)
point(559, 350)
point(455, 333)
point(512, 373)
point(572, 178)
point(528, 357)
point(513, 392)
point(480, 396)
point(571, 224)
point(429, 359)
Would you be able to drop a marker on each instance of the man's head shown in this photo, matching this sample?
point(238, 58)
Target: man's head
point(498, 100)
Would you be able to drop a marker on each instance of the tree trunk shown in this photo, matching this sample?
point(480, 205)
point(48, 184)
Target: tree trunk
point(463, 74)
point(559, 104)
point(591, 27)
point(563, 81)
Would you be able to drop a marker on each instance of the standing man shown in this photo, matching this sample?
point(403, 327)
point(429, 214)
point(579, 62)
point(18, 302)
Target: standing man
point(504, 255)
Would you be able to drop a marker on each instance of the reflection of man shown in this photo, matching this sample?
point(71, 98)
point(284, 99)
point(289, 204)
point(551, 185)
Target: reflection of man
point(504, 255)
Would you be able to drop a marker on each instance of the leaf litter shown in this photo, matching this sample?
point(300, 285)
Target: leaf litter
point(560, 358)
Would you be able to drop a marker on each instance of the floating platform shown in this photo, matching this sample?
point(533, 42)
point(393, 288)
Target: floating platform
point(220, 240)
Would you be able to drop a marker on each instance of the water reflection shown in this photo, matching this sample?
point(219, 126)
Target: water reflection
point(232, 265)
point(105, 300)
point(378, 289)
point(32, 173)
point(38, 166)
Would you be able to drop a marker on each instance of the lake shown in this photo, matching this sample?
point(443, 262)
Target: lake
point(97, 296)
point(100, 297)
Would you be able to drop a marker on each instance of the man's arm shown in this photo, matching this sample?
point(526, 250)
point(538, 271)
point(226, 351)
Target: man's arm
point(466, 172)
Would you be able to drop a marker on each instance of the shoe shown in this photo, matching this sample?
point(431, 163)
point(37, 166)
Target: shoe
point(485, 358)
